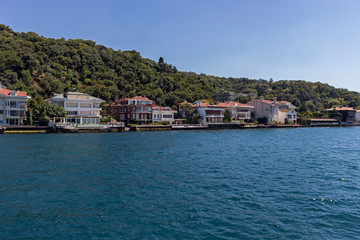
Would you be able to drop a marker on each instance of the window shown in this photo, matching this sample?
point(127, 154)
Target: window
point(96, 105)
point(1, 111)
point(72, 112)
point(1, 121)
point(85, 113)
point(69, 104)
point(14, 113)
point(2, 103)
point(12, 121)
point(11, 104)
point(85, 105)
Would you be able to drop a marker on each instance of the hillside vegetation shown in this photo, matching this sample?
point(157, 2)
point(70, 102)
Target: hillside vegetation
point(44, 66)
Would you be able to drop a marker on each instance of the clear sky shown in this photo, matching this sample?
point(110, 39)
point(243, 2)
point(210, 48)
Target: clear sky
point(313, 40)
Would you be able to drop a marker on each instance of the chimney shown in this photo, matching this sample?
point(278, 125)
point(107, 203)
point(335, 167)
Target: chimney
point(275, 99)
point(261, 98)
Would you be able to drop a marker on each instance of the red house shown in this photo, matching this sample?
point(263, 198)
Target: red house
point(133, 109)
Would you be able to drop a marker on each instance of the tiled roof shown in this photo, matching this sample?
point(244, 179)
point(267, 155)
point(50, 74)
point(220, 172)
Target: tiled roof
point(6, 92)
point(285, 110)
point(139, 98)
point(284, 102)
point(205, 105)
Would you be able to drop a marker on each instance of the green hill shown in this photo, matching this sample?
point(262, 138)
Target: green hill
point(43, 66)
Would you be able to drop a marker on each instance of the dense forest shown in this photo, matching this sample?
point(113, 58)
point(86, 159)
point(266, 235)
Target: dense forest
point(44, 66)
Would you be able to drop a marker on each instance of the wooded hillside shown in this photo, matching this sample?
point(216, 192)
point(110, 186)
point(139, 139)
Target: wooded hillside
point(44, 66)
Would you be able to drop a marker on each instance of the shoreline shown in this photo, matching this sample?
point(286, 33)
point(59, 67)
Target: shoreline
point(141, 128)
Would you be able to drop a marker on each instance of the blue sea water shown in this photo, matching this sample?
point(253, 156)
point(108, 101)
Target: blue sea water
point(228, 184)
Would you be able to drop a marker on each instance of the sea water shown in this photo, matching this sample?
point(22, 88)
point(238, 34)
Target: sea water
point(225, 184)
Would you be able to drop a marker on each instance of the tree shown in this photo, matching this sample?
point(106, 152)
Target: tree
point(161, 60)
point(227, 116)
point(44, 111)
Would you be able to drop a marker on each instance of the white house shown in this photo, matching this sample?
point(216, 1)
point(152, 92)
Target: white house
point(238, 111)
point(162, 114)
point(289, 114)
point(209, 113)
point(274, 111)
point(12, 106)
point(82, 108)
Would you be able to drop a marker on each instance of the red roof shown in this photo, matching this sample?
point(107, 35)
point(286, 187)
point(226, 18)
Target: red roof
point(139, 98)
point(204, 105)
point(6, 92)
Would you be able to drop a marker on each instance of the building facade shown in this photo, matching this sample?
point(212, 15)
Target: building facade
point(238, 111)
point(348, 114)
point(12, 106)
point(162, 114)
point(274, 111)
point(209, 113)
point(81, 108)
point(134, 109)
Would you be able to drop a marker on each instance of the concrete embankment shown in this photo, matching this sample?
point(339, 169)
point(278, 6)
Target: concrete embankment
point(61, 129)
point(27, 129)
point(105, 128)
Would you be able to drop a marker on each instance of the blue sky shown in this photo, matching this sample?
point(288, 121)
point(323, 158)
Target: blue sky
point(309, 40)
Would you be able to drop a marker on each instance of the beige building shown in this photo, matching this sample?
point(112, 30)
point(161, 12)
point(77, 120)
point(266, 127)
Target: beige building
point(274, 111)
point(238, 110)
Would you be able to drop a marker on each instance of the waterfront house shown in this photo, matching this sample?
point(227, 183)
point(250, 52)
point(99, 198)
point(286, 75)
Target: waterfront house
point(348, 114)
point(12, 106)
point(274, 111)
point(81, 108)
point(238, 111)
point(209, 113)
point(162, 114)
point(133, 109)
